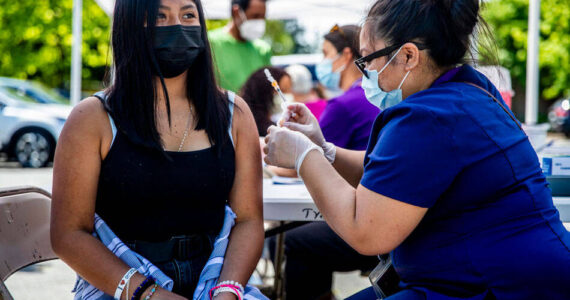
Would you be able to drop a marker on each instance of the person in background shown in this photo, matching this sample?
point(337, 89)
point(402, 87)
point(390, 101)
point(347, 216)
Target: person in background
point(303, 89)
point(314, 251)
point(261, 97)
point(237, 48)
point(347, 120)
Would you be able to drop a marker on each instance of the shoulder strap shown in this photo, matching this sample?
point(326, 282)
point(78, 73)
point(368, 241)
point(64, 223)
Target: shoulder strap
point(232, 99)
point(103, 97)
point(498, 102)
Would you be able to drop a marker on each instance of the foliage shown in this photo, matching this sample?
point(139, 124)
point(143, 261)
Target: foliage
point(36, 40)
point(509, 22)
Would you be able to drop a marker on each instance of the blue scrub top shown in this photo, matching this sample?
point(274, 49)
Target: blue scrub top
point(491, 226)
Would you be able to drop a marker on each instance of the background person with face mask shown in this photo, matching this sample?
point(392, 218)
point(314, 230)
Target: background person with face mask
point(237, 48)
point(347, 119)
point(449, 185)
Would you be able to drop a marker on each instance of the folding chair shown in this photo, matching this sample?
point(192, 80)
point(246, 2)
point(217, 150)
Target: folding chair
point(24, 231)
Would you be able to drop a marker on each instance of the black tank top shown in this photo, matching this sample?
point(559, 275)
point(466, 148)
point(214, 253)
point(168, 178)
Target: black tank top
point(144, 195)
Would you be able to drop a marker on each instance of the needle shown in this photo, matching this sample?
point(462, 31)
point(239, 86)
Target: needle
point(275, 85)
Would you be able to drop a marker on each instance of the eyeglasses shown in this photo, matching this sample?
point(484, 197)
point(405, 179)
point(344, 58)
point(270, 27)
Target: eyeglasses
point(361, 62)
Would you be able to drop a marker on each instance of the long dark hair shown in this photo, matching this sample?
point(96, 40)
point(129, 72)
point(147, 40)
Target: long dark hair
point(132, 96)
point(444, 26)
point(258, 94)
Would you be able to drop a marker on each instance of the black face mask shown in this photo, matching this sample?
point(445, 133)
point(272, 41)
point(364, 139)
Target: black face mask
point(176, 48)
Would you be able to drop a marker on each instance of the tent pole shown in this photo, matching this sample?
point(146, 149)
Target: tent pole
point(76, 63)
point(532, 69)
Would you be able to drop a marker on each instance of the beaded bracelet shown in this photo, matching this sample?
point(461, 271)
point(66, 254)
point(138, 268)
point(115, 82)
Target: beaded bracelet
point(151, 292)
point(226, 288)
point(142, 287)
point(234, 283)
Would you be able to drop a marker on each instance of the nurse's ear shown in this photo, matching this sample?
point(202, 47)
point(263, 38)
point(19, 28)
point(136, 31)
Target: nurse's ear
point(412, 56)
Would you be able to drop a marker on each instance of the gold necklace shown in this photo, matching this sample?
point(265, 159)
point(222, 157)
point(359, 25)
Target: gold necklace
point(186, 131)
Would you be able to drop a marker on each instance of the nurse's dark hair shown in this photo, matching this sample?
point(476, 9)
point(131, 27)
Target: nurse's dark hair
point(132, 95)
point(445, 27)
point(243, 4)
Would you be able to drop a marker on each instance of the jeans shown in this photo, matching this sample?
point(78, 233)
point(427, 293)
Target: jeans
point(181, 258)
point(184, 273)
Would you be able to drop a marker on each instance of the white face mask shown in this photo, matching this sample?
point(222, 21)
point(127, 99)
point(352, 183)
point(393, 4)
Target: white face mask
point(251, 29)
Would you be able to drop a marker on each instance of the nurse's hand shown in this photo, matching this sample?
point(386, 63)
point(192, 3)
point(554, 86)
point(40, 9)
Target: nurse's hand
point(299, 118)
point(287, 149)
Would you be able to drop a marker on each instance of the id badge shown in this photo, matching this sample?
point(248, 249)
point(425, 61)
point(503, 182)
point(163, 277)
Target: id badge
point(384, 278)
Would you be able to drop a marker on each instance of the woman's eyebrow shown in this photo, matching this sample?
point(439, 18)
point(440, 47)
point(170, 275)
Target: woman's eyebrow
point(189, 6)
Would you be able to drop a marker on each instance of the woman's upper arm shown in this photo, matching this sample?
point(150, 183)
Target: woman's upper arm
point(413, 162)
point(76, 168)
point(385, 222)
point(246, 194)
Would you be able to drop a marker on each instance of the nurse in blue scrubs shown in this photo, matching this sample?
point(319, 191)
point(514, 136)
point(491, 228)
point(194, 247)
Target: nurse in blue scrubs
point(449, 185)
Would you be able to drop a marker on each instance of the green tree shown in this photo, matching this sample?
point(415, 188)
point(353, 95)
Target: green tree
point(509, 22)
point(36, 38)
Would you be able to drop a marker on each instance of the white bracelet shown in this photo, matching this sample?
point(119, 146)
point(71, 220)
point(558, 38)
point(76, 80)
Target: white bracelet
point(234, 283)
point(226, 289)
point(126, 278)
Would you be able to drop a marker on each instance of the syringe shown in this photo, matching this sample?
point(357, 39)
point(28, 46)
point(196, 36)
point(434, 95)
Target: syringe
point(275, 85)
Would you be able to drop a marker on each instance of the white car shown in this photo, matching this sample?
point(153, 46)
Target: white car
point(29, 131)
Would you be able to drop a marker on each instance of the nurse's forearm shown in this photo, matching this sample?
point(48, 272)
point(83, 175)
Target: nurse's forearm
point(333, 195)
point(349, 164)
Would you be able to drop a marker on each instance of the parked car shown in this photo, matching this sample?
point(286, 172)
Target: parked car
point(32, 91)
point(29, 131)
point(559, 116)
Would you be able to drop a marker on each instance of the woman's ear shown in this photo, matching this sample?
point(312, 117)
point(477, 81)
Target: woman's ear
point(412, 56)
point(347, 55)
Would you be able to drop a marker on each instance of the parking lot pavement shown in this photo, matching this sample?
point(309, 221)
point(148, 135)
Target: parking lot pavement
point(47, 280)
point(12, 175)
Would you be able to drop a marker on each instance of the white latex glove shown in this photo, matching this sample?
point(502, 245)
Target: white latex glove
point(299, 118)
point(287, 149)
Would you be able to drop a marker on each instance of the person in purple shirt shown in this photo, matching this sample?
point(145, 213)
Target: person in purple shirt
point(348, 118)
point(314, 251)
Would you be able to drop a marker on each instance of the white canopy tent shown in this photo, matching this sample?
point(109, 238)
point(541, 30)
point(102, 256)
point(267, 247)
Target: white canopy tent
point(318, 16)
point(318, 10)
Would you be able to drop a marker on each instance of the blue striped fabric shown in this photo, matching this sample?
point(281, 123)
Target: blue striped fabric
point(208, 278)
point(213, 268)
